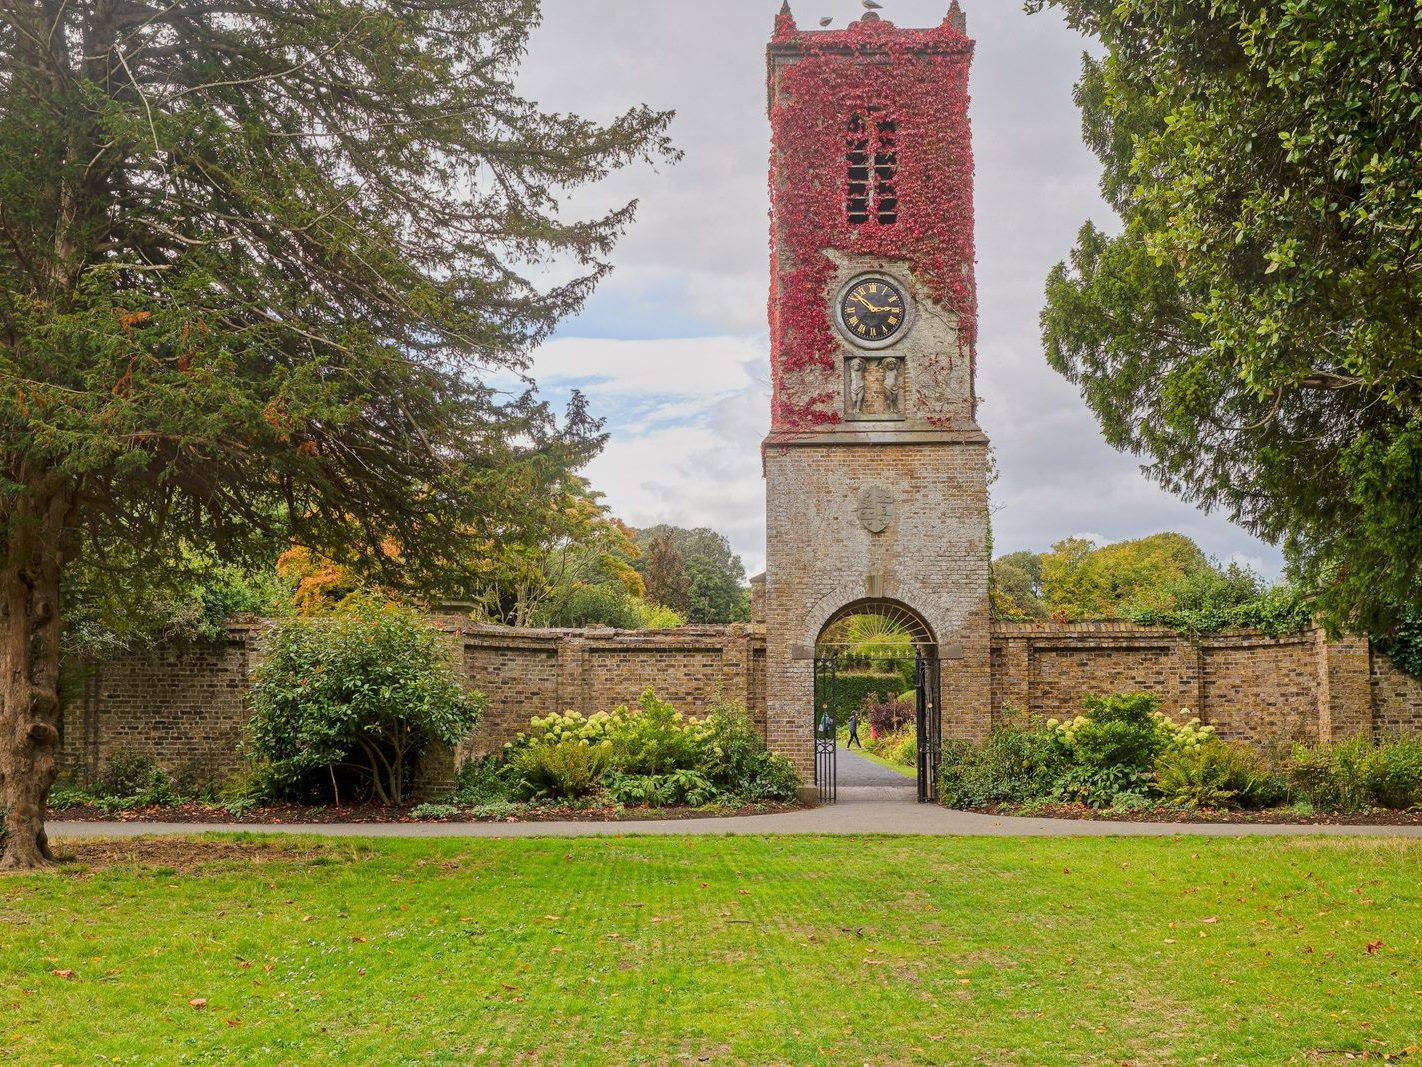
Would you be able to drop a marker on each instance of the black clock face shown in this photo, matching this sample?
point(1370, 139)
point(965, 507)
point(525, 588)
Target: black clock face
point(873, 311)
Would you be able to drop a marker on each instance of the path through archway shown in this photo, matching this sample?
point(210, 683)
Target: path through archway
point(877, 673)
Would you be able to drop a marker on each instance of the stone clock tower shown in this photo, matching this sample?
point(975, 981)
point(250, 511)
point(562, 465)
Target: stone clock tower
point(876, 470)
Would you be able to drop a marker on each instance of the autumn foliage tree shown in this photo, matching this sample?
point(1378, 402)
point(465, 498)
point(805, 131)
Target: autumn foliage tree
point(258, 263)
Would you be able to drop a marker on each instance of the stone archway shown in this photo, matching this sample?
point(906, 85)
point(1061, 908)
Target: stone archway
point(868, 640)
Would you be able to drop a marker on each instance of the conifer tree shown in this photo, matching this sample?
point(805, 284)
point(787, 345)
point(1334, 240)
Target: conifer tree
point(259, 266)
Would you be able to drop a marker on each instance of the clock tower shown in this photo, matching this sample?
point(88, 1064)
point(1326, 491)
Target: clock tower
point(876, 470)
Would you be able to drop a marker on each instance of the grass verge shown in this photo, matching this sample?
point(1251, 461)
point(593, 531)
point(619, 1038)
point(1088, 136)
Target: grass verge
point(792, 950)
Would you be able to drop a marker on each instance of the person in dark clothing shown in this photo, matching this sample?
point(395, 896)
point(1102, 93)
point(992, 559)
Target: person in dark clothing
point(854, 730)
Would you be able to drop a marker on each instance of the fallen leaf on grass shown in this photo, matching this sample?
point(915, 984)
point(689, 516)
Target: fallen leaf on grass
point(1373, 946)
point(66, 973)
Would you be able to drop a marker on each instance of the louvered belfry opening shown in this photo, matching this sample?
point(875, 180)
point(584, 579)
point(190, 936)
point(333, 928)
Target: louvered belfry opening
point(873, 162)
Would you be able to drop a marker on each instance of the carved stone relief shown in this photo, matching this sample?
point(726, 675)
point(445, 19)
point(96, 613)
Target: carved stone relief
point(875, 508)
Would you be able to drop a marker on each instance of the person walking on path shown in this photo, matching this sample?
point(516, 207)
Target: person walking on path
point(854, 730)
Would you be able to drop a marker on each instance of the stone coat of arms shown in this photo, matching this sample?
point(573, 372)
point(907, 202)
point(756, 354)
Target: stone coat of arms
point(875, 508)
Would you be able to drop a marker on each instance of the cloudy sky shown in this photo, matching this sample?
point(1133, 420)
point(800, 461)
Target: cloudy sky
point(673, 349)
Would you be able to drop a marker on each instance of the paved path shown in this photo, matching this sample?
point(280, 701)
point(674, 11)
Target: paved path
point(868, 804)
point(862, 780)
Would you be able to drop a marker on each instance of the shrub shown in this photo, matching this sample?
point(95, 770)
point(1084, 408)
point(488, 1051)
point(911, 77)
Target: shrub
point(128, 773)
point(1100, 786)
point(1217, 775)
point(635, 790)
point(371, 687)
point(853, 691)
point(774, 779)
point(658, 790)
point(574, 726)
point(687, 787)
point(657, 739)
point(900, 746)
point(1333, 777)
point(565, 770)
point(1394, 774)
point(1015, 766)
point(887, 716)
point(737, 761)
point(63, 796)
point(1116, 731)
point(129, 780)
point(483, 780)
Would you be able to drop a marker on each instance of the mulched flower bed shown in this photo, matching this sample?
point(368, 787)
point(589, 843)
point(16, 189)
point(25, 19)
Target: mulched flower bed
point(1272, 816)
point(284, 814)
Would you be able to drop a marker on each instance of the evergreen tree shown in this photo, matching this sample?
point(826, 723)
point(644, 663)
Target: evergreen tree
point(1255, 330)
point(257, 263)
point(714, 575)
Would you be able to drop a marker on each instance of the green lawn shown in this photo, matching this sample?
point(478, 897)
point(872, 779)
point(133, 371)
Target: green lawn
point(716, 950)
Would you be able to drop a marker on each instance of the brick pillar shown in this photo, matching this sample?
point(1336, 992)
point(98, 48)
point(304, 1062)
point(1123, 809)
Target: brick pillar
point(1188, 661)
point(1345, 687)
point(573, 675)
point(736, 665)
point(1016, 684)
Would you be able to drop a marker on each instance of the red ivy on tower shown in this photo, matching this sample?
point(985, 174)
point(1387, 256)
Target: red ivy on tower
point(825, 79)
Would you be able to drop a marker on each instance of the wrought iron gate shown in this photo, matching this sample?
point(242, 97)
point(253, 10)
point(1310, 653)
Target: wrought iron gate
point(930, 726)
point(826, 728)
point(928, 715)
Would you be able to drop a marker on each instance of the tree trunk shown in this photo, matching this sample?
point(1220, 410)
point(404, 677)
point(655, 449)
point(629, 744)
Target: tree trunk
point(29, 673)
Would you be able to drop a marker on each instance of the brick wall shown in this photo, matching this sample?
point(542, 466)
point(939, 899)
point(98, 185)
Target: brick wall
point(1396, 699)
point(186, 706)
point(1301, 687)
point(183, 706)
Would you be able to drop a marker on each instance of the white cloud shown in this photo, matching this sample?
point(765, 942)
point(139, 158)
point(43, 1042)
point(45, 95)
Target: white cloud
point(687, 416)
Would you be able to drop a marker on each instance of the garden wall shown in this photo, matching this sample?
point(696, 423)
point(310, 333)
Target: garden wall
point(186, 706)
point(1301, 687)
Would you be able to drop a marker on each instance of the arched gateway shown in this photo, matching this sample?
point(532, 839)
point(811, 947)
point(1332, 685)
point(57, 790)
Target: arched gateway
point(890, 647)
point(875, 467)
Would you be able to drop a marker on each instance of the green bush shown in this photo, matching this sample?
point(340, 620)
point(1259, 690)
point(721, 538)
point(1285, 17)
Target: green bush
point(1394, 774)
point(129, 780)
point(657, 739)
point(564, 770)
point(1218, 775)
point(1333, 777)
point(1015, 766)
point(660, 790)
point(854, 691)
point(635, 790)
point(365, 692)
point(483, 780)
point(1101, 786)
point(1117, 731)
point(900, 746)
point(736, 760)
point(651, 755)
point(128, 773)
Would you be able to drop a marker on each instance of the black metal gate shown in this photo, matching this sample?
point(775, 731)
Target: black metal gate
point(829, 666)
point(826, 727)
point(930, 726)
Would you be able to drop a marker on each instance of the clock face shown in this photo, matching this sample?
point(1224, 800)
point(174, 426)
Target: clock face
point(873, 311)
